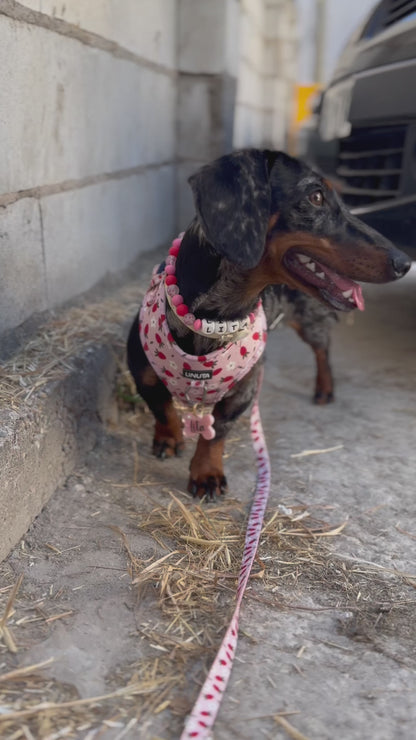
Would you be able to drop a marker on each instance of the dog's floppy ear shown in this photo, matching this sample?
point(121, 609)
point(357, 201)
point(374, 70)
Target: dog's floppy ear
point(232, 201)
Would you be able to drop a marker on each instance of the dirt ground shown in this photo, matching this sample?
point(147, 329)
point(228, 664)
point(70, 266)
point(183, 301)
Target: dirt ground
point(328, 628)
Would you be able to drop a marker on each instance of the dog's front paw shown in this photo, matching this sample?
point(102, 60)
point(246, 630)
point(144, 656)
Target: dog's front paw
point(167, 448)
point(207, 479)
point(167, 443)
point(210, 486)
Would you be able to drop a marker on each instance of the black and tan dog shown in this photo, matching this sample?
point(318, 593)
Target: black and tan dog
point(266, 227)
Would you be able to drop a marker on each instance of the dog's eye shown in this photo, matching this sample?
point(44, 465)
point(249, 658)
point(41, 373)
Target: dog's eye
point(316, 198)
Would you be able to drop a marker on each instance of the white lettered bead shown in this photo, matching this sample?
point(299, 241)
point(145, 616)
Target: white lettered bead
point(208, 327)
point(220, 327)
point(233, 326)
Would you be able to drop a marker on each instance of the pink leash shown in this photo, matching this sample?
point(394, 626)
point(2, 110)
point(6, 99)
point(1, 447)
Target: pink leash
point(203, 715)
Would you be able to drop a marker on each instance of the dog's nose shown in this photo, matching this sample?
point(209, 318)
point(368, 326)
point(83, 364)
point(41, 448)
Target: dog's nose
point(401, 264)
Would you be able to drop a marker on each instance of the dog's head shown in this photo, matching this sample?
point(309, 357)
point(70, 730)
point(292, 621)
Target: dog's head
point(268, 212)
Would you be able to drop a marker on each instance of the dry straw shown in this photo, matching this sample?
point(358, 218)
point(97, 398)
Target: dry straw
point(187, 592)
point(50, 353)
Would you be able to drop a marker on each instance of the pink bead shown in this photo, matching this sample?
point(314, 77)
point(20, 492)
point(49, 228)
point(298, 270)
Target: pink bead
point(172, 290)
point(189, 319)
point(174, 251)
point(252, 318)
point(177, 300)
point(170, 270)
point(182, 310)
point(171, 280)
point(197, 324)
point(177, 242)
point(170, 260)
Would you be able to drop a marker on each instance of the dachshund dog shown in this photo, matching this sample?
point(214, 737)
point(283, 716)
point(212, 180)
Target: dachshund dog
point(266, 226)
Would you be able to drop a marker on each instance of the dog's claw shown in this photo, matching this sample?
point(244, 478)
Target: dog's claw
point(179, 448)
point(163, 449)
point(321, 398)
point(159, 449)
point(211, 489)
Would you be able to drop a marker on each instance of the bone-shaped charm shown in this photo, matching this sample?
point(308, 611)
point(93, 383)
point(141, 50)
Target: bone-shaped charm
point(195, 425)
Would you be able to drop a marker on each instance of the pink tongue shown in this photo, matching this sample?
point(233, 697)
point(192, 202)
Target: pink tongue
point(357, 294)
point(343, 284)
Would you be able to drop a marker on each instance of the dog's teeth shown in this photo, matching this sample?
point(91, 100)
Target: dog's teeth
point(311, 266)
point(321, 275)
point(303, 258)
point(347, 293)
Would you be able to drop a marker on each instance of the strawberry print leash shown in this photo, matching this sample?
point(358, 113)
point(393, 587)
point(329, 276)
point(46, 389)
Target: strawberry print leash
point(201, 720)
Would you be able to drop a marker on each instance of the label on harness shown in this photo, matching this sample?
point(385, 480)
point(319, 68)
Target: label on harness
point(197, 374)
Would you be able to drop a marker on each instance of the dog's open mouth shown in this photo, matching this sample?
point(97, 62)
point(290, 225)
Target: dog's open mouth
point(340, 292)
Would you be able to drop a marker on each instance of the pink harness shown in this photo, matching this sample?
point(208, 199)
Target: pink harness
point(191, 379)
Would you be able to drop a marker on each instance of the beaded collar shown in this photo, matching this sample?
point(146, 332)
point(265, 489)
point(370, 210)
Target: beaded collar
point(233, 329)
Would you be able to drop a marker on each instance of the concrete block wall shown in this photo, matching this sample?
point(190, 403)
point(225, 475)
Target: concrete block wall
point(266, 73)
point(236, 91)
point(87, 144)
point(208, 41)
point(105, 110)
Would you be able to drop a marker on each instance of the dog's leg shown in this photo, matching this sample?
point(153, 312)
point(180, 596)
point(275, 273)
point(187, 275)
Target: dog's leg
point(206, 469)
point(168, 437)
point(324, 382)
point(324, 385)
point(313, 323)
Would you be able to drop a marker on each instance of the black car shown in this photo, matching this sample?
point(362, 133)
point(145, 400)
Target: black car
point(366, 135)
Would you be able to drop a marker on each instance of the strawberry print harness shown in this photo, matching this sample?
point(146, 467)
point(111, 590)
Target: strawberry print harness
point(196, 381)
